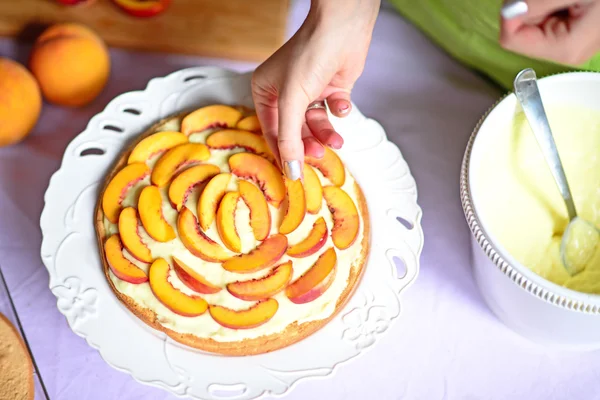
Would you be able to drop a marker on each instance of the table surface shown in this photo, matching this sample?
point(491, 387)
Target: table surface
point(447, 344)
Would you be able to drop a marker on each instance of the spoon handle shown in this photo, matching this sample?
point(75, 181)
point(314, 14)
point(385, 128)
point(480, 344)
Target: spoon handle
point(526, 90)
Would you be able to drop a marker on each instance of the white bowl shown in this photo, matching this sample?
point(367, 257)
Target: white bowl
point(527, 303)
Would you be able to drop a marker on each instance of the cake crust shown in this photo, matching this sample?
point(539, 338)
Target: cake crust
point(291, 334)
point(25, 388)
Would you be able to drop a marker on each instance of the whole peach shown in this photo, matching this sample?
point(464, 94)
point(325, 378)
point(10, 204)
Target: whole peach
point(20, 102)
point(71, 64)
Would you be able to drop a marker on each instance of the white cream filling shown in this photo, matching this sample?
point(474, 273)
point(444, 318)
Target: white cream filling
point(204, 326)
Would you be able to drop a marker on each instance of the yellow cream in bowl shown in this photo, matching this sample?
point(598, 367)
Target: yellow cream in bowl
point(518, 200)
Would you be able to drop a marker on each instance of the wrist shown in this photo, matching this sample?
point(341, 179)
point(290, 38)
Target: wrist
point(361, 12)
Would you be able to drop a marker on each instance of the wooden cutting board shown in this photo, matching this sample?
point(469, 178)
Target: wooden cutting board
point(235, 29)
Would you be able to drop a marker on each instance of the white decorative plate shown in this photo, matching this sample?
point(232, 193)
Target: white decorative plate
point(70, 252)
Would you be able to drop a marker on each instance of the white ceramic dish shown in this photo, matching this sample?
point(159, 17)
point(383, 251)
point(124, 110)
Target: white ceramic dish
point(534, 307)
point(70, 252)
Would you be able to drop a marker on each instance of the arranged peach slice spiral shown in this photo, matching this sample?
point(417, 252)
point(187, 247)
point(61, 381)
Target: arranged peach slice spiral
point(119, 265)
point(345, 216)
point(255, 316)
point(226, 222)
point(214, 116)
point(315, 281)
point(176, 159)
point(231, 138)
point(196, 241)
point(260, 216)
point(129, 231)
point(118, 186)
point(184, 182)
point(296, 207)
point(264, 173)
point(210, 198)
point(155, 144)
point(313, 190)
point(151, 214)
point(173, 299)
point(315, 240)
point(193, 279)
point(264, 256)
point(259, 289)
point(249, 123)
point(330, 165)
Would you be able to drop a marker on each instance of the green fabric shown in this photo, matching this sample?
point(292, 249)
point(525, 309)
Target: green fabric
point(469, 30)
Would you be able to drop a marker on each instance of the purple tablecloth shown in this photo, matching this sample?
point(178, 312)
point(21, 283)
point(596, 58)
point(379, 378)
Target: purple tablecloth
point(447, 345)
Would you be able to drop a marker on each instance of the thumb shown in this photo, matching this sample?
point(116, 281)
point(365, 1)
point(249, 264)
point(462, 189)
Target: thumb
point(292, 104)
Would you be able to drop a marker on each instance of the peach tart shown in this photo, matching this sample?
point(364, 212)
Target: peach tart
point(202, 237)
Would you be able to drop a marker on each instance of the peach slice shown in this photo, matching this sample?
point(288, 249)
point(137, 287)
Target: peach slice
point(183, 183)
point(330, 165)
point(193, 279)
point(119, 265)
point(128, 230)
point(210, 198)
point(249, 123)
point(263, 256)
point(313, 190)
point(215, 116)
point(260, 170)
point(153, 220)
point(345, 216)
point(296, 207)
point(252, 317)
point(315, 281)
point(312, 243)
point(118, 186)
point(226, 222)
point(155, 144)
point(196, 241)
point(176, 159)
point(260, 216)
point(260, 289)
point(230, 138)
point(175, 300)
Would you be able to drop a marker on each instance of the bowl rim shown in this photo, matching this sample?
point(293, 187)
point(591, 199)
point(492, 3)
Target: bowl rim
point(519, 274)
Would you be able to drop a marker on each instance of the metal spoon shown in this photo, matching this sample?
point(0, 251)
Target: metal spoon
point(581, 238)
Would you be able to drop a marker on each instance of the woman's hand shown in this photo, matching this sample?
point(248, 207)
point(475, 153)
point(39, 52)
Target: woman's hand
point(320, 62)
point(563, 31)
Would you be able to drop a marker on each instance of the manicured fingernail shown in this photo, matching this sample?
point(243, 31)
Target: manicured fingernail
point(343, 107)
point(293, 170)
point(513, 9)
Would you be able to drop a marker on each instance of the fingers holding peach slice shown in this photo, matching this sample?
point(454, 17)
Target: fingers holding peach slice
point(250, 124)
point(330, 165)
point(151, 214)
point(259, 289)
point(260, 215)
point(296, 207)
point(226, 222)
point(177, 158)
point(264, 256)
point(214, 116)
point(264, 173)
point(345, 216)
point(193, 279)
point(315, 281)
point(252, 317)
point(155, 144)
point(118, 186)
point(121, 266)
point(128, 230)
point(196, 241)
point(210, 198)
point(313, 190)
point(183, 183)
point(231, 138)
point(175, 300)
point(315, 240)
